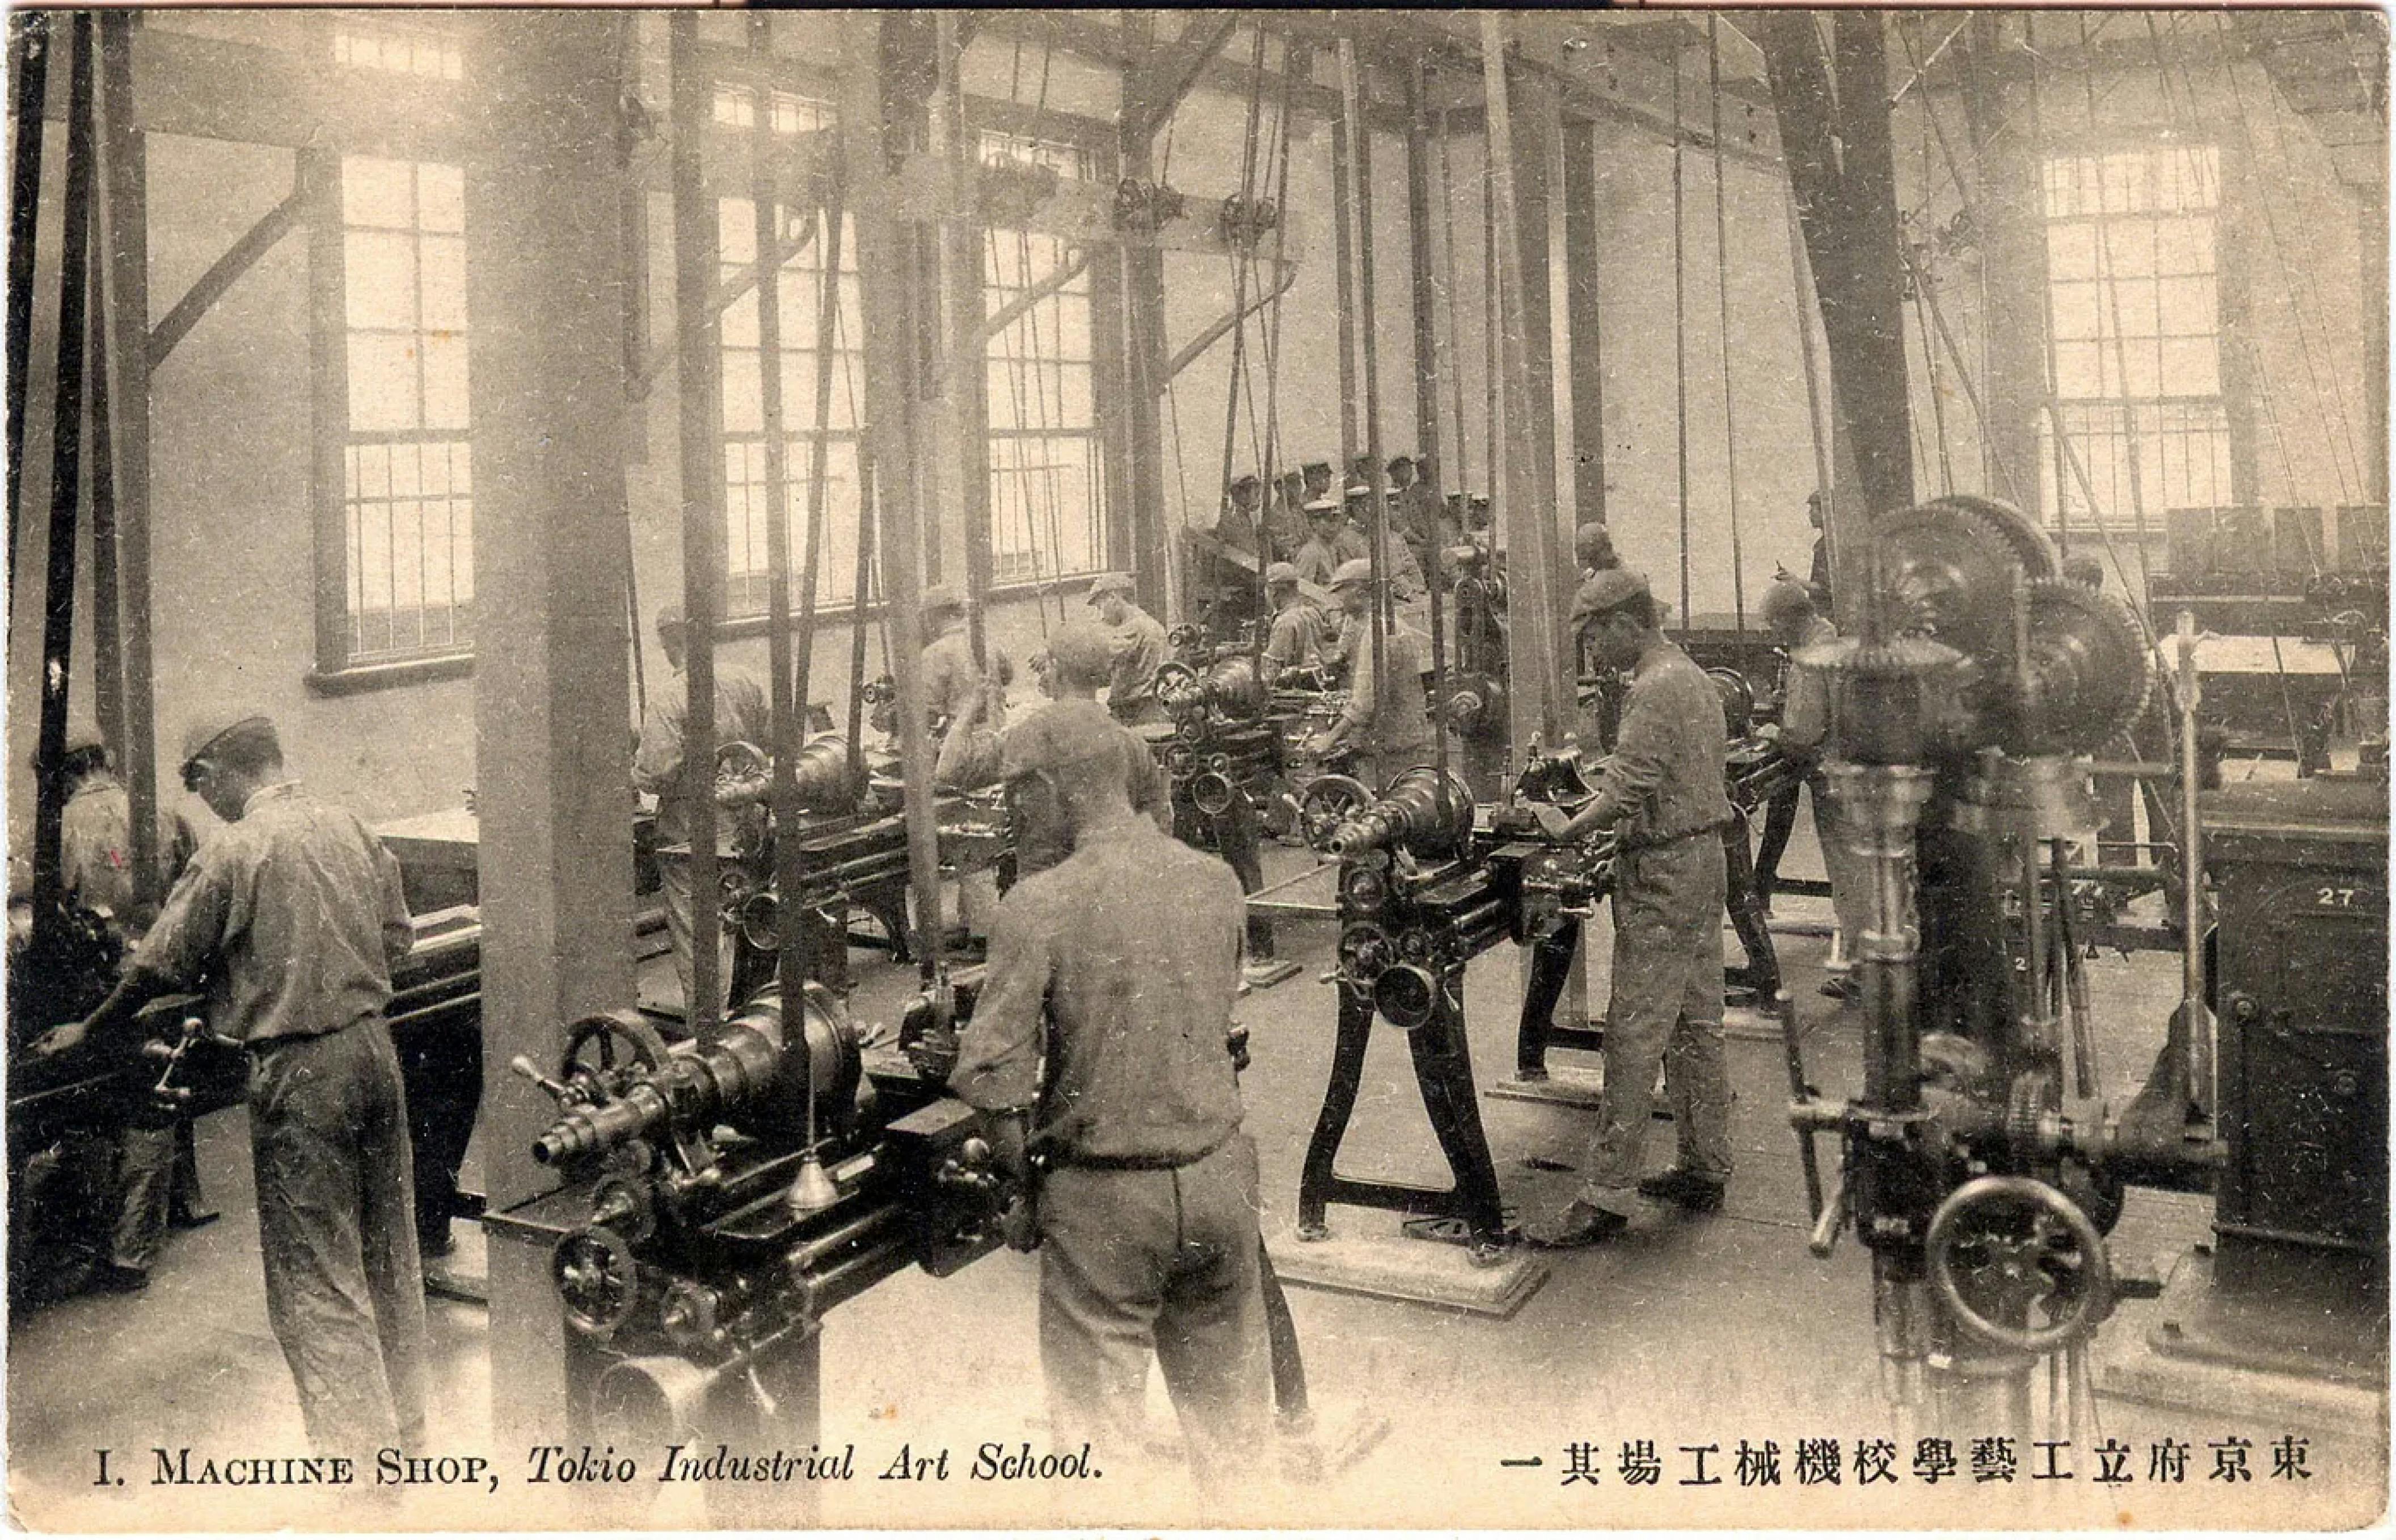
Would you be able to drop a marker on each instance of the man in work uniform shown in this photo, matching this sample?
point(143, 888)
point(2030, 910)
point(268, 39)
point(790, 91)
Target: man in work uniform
point(154, 1166)
point(1140, 647)
point(951, 686)
point(1081, 656)
point(1147, 1216)
point(294, 917)
point(1788, 609)
point(1295, 642)
point(740, 716)
point(1661, 791)
point(1331, 542)
point(1387, 719)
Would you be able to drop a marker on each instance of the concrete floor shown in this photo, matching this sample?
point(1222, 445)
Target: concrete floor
point(1686, 1332)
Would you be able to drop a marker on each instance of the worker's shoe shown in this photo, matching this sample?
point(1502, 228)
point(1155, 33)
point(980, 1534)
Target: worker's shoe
point(1841, 987)
point(1580, 1223)
point(1698, 1194)
point(108, 1277)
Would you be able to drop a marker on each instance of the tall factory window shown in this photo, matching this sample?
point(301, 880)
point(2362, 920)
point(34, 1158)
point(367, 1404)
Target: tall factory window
point(1046, 468)
point(397, 47)
point(735, 107)
point(747, 552)
point(398, 582)
point(2132, 269)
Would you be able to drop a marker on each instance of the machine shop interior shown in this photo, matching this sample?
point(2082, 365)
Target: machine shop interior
point(654, 472)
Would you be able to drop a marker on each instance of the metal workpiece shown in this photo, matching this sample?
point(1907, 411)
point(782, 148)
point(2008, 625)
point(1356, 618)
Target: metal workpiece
point(1423, 813)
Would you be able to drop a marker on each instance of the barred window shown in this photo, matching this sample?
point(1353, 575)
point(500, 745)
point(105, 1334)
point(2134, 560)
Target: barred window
point(2133, 276)
point(747, 552)
point(397, 47)
point(405, 582)
point(1046, 461)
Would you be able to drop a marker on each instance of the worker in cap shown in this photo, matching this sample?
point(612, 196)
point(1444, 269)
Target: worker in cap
point(1386, 726)
point(1660, 794)
point(1102, 1024)
point(1318, 479)
point(1139, 648)
point(146, 1170)
point(1330, 540)
point(952, 687)
point(292, 916)
point(1593, 548)
point(658, 768)
point(1300, 630)
point(1080, 660)
point(1798, 627)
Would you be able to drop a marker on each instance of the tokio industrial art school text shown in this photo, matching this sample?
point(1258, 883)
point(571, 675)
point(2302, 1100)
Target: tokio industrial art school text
point(547, 1464)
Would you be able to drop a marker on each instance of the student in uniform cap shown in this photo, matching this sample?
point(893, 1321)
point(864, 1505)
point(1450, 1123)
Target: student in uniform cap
point(293, 916)
point(1298, 633)
point(1139, 648)
point(1099, 1042)
point(742, 716)
point(1388, 725)
point(1331, 542)
point(1661, 794)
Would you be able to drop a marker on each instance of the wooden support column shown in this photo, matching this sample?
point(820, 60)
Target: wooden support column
point(1540, 697)
point(126, 230)
point(1836, 142)
point(2008, 209)
point(553, 763)
point(1141, 270)
point(888, 255)
point(1583, 261)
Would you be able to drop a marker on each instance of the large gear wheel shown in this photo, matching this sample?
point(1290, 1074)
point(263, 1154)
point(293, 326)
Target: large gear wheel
point(2089, 668)
point(2031, 546)
point(1947, 572)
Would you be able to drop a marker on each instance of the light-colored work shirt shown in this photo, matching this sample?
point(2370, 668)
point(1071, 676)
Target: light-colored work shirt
point(1805, 700)
point(1139, 648)
point(1664, 780)
point(96, 846)
point(293, 914)
point(1389, 720)
point(1318, 558)
point(1296, 641)
point(978, 757)
point(741, 715)
point(1132, 946)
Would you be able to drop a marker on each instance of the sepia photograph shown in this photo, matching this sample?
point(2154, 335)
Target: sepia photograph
point(1141, 769)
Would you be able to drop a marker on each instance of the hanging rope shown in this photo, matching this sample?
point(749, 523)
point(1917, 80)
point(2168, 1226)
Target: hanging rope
point(1272, 457)
point(1243, 266)
point(1803, 282)
point(1461, 477)
point(1722, 290)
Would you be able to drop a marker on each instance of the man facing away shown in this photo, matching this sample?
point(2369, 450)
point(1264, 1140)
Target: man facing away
point(1099, 1043)
point(294, 916)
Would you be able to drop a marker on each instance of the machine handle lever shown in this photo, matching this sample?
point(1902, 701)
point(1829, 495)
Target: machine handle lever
point(524, 1066)
point(1831, 1220)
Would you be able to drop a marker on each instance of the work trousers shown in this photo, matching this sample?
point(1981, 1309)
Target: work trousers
point(1164, 1261)
point(147, 1163)
point(674, 883)
point(1850, 873)
point(1667, 1009)
point(1233, 834)
point(336, 1225)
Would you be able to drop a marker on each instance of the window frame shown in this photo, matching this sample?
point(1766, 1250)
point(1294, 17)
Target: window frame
point(340, 669)
point(2166, 424)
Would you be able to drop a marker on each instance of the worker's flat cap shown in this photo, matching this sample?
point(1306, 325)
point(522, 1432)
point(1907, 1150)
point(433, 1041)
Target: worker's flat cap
point(1786, 601)
point(1109, 582)
point(1060, 735)
point(1281, 572)
point(671, 619)
point(1313, 466)
point(941, 596)
point(207, 733)
point(1356, 569)
point(1607, 591)
point(1082, 648)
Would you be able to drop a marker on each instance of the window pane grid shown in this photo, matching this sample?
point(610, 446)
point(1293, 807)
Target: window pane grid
point(2133, 276)
point(748, 552)
point(407, 503)
point(1047, 463)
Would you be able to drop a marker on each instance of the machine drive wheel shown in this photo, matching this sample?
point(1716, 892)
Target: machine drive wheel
point(2008, 1245)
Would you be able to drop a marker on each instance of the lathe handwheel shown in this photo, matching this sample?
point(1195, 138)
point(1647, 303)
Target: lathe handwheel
point(596, 1279)
point(1325, 804)
point(613, 1038)
point(2007, 1244)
